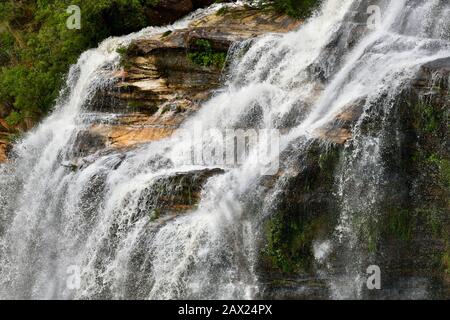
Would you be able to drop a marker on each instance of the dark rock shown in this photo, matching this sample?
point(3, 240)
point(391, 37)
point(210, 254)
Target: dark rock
point(175, 194)
point(409, 239)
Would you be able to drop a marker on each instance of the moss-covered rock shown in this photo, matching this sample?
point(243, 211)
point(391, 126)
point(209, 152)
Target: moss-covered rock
point(305, 212)
point(413, 230)
point(203, 54)
point(407, 232)
point(165, 78)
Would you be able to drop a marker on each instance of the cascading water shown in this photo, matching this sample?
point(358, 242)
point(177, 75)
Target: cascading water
point(53, 218)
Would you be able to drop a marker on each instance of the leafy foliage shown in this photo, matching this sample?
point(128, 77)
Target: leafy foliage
point(36, 47)
point(13, 119)
point(289, 247)
point(204, 55)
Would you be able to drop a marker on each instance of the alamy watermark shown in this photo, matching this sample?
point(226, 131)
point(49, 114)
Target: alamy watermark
point(232, 147)
point(74, 20)
point(73, 281)
point(374, 17)
point(374, 20)
point(374, 279)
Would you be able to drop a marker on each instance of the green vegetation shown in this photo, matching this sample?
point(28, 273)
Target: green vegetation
point(37, 48)
point(222, 11)
point(166, 34)
point(441, 167)
point(289, 245)
point(154, 215)
point(302, 218)
point(14, 118)
point(446, 261)
point(400, 222)
point(294, 8)
point(13, 137)
point(432, 167)
point(431, 157)
point(429, 118)
point(203, 54)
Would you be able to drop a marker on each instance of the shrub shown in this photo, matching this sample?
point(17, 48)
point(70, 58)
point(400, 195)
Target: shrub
point(294, 8)
point(204, 55)
point(37, 49)
point(13, 119)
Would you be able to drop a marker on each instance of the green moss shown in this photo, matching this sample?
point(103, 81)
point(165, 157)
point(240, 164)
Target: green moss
point(166, 34)
point(14, 137)
point(432, 167)
point(14, 118)
point(371, 233)
point(428, 118)
point(444, 173)
point(125, 58)
point(440, 165)
point(222, 11)
point(328, 161)
point(155, 214)
point(165, 109)
point(392, 222)
point(368, 229)
point(431, 118)
point(306, 212)
point(205, 55)
point(134, 104)
point(122, 51)
point(289, 246)
point(446, 261)
point(400, 223)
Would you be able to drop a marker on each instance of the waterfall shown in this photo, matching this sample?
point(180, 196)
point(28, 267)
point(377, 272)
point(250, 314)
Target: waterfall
point(94, 218)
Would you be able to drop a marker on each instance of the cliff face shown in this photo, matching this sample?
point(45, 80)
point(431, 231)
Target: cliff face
point(165, 78)
point(157, 13)
point(409, 234)
point(162, 81)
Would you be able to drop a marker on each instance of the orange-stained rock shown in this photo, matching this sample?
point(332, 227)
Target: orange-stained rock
point(339, 130)
point(4, 145)
point(159, 86)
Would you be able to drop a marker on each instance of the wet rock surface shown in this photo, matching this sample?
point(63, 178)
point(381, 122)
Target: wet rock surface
point(177, 193)
point(160, 84)
point(409, 239)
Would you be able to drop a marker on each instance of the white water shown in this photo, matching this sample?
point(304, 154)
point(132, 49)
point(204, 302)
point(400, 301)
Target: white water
point(94, 218)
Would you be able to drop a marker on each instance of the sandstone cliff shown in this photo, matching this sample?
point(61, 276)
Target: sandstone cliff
point(165, 78)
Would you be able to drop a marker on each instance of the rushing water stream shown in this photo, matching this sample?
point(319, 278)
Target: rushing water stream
point(54, 218)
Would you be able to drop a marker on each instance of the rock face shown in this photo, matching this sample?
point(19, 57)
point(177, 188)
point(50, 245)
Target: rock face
point(4, 140)
point(410, 238)
point(165, 78)
point(175, 194)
